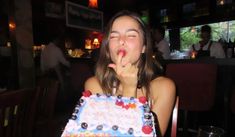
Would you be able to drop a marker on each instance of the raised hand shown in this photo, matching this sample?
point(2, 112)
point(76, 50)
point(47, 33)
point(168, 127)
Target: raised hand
point(127, 75)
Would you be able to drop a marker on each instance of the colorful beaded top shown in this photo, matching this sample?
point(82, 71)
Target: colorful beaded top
point(109, 116)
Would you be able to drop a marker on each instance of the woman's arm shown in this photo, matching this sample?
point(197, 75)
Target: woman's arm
point(162, 93)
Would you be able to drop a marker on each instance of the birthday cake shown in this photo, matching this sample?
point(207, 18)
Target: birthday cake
point(101, 115)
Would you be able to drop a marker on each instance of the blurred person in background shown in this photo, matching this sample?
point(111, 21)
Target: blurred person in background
point(161, 45)
point(206, 47)
point(53, 61)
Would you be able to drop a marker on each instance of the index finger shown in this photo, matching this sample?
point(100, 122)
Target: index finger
point(119, 58)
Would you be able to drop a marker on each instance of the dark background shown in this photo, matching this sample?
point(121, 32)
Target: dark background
point(45, 27)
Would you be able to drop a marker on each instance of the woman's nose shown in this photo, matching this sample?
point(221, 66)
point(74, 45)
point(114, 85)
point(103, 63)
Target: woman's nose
point(122, 40)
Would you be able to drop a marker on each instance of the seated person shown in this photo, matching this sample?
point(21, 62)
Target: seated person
point(125, 67)
point(124, 94)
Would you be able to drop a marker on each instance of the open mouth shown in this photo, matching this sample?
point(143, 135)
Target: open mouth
point(122, 51)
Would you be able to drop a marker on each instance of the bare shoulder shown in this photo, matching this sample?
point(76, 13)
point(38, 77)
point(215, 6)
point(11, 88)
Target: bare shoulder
point(162, 86)
point(162, 80)
point(93, 85)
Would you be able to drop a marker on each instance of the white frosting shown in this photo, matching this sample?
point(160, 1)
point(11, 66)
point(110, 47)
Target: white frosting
point(104, 111)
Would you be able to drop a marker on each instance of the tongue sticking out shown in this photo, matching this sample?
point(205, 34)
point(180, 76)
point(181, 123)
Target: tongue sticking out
point(122, 52)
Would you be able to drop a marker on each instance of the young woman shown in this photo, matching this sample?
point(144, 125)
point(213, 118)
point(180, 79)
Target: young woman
point(125, 67)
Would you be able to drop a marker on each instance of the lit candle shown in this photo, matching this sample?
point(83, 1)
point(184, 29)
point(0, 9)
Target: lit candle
point(193, 54)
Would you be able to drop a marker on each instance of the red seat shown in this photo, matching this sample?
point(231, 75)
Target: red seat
point(196, 86)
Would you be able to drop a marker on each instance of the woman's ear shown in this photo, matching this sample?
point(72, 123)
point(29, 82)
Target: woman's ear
point(143, 49)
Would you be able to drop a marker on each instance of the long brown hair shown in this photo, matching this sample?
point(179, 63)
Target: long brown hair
point(107, 76)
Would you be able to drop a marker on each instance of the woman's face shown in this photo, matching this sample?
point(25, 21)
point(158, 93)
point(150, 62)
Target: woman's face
point(126, 36)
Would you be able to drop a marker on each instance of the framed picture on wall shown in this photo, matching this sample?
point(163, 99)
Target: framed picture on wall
point(82, 17)
point(54, 10)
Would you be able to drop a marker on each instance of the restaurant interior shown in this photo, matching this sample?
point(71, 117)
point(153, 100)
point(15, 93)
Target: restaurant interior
point(27, 26)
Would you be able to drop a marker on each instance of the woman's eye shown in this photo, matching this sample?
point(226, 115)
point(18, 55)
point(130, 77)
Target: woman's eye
point(131, 35)
point(113, 37)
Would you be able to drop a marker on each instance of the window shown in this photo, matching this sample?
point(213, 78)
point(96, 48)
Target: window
point(220, 31)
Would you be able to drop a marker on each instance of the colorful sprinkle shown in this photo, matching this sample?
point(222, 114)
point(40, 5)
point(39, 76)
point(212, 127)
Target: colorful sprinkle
point(126, 106)
point(76, 110)
point(130, 131)
point(119, 103)
point(147, 116)
point(142, 100)
point(99, 127)
point(132, 98)
point(98, 94)
point(81, 100)
point(132, 105)
point(119, 96)
point(147, 129)
point(84, 125)
point(74, 117)
point(86, 93)
point(115, 127)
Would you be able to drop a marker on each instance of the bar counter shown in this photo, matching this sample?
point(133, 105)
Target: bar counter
point(220, 62)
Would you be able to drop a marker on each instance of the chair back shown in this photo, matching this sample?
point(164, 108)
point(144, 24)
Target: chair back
point(16, 113)
point(175, 118)
point(232, 102)
point(47, 89)
point(195, 83)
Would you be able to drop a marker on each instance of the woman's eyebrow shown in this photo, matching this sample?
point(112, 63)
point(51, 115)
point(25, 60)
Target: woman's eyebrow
point(113, 31)
point(129, 30)
point(133, 30)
